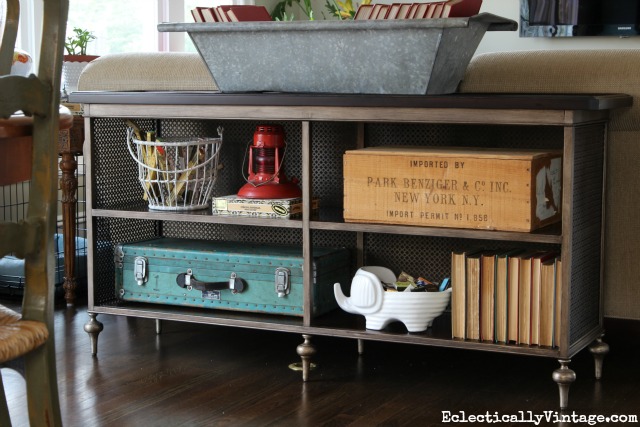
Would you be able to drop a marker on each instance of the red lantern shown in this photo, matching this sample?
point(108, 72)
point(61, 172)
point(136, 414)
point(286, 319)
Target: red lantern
point(266, 178)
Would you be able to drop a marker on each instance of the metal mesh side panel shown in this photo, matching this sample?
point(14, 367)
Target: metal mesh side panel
point(586, 231)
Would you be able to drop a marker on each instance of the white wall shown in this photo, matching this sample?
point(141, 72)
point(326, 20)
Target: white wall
point(495, 41)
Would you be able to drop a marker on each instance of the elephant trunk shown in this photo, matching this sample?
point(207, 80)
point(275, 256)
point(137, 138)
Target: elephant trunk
point(343, 301)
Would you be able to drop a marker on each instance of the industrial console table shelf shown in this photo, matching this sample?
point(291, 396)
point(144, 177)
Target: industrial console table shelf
point(319, 129)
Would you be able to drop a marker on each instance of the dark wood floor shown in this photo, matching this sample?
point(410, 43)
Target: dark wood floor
point(195, 375)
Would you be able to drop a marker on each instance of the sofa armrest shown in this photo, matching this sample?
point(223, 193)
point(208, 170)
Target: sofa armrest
point(561, 71)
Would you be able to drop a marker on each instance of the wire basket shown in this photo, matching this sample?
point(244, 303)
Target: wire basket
point(177, 174)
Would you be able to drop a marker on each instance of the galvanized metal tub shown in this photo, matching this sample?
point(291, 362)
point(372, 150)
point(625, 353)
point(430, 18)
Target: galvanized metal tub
point(401, 57)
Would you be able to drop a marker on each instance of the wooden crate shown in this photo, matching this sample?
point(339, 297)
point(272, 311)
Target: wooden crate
point(505, 189)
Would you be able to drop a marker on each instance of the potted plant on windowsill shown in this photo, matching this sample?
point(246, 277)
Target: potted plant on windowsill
point(76, 59)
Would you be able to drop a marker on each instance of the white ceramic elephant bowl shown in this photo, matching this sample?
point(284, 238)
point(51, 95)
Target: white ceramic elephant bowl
point(415, 309)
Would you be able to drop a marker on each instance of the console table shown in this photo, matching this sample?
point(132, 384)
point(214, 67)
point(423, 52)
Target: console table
point(319, 129)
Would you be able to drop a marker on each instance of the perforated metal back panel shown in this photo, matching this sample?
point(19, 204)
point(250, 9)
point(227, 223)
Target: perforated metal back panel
point(116, 187)
point(116, 174)
point(535, 137)
point(427, 256)
point(329, 142)
point(109, 232)
point(116, 171)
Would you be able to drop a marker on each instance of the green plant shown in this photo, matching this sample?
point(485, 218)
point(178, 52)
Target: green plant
point(279, 12)
point(77, 45)
point(345, 9)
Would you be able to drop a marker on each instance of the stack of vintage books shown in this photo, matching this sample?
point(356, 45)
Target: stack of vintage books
point(230, 13)
point(429, 10)
point(509, 296)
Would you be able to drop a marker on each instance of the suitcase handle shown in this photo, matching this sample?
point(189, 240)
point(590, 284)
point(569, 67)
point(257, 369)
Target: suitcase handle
point(187, 281)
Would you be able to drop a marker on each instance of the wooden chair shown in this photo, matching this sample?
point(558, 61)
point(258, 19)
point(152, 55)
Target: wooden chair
point(30, 334)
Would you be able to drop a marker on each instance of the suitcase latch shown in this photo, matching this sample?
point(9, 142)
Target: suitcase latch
point(282, 282)
point(140, 270)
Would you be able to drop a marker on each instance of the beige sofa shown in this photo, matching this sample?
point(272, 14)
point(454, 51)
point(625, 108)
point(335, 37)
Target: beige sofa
point(589, 71)
point(583, 71)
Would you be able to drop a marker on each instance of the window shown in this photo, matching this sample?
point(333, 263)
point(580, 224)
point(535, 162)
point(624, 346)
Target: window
point(135, 32)
point(119, 25)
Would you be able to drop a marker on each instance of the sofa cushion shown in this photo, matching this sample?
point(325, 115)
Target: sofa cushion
point(151, 71)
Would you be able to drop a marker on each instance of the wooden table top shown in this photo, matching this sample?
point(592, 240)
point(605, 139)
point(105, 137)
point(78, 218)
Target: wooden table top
point(466, 100)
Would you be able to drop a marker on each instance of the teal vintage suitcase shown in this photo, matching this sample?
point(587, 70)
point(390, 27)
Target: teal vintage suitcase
point(227, 275)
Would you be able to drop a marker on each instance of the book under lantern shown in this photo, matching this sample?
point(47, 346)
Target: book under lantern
point(234, 205)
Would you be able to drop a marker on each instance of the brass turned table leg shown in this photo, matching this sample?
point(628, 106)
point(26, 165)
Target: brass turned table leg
point(564, 376)
point(93, 327)
point(599, 349)
point(69, 185)
point(306, 350)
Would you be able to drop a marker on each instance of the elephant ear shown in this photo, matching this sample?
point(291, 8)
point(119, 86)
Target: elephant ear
point(383, 273)
point(366, 292)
